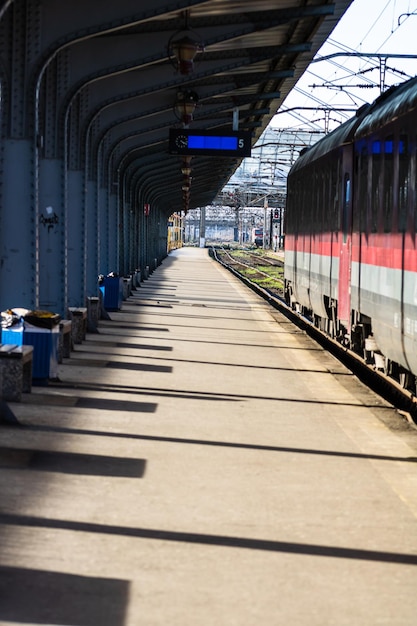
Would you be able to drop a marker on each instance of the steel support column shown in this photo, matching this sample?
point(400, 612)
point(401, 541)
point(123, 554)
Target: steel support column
point(19, 285)
point(92, 239)
point(76, 219)
point(52, 238)
point(114, 238)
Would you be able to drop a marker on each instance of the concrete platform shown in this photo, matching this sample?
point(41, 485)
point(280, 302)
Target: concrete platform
point(203, 462)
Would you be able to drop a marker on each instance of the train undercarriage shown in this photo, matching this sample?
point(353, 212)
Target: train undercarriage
point(359, 338)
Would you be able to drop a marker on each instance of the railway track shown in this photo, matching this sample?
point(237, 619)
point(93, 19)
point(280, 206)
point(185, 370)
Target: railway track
point(256, 266)
point(265, 276)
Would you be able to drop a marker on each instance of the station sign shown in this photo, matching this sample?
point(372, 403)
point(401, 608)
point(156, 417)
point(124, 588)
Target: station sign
point(233, 143)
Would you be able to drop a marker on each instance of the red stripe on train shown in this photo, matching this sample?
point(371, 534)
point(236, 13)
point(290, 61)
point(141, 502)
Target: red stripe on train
point(391, 251)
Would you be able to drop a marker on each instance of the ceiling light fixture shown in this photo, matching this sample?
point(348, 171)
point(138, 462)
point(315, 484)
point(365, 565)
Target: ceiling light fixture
point(183, 47)
point(185, 106)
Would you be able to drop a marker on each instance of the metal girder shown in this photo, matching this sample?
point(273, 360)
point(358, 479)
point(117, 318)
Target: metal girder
point(65, 23)
point(117, 88)
point(154, 79)
point(259, 19)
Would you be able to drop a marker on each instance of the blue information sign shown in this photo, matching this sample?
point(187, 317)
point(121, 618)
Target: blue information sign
point(210, 143)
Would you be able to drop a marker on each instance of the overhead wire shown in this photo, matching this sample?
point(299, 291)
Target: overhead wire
point(376, 21)
point(366, 65)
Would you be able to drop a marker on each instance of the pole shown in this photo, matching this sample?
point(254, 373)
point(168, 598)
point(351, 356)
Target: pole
point(265, 237)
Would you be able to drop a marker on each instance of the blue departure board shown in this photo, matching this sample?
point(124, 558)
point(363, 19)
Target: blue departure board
point(209, 143)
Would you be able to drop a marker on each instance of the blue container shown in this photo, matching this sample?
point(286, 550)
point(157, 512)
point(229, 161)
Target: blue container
point(13, 335)
point(45, 347)
point(112, 293)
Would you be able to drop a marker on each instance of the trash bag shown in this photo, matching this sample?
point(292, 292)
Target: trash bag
point(12, 317)
point(42, 319)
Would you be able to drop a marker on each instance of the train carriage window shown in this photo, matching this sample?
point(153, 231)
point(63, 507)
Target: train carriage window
point(305, 207)
point(388, 183)
point(300, 184)
point(290, 202)
point(294, 207)
point(305, 210)
point(403, 182)
point(361, 193)
point(413, 186)
point(298, 210)
point(316, 201)
point(375, 192)
point(356, 177)
point(334, 196)
point(346, 207)
point(323, 200)
point(339, 196)
point(320, 199)
point(310, 200)
point(292, 210)
point(326, 201)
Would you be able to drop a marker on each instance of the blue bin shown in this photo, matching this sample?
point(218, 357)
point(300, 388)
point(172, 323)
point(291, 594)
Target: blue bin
point(112, 289)
point(45, 347)
point(13, 335)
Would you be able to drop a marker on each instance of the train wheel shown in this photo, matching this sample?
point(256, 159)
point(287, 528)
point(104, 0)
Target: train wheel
point(407, 381)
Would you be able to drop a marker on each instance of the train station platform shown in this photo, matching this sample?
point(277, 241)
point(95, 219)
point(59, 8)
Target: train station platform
point(203, 462)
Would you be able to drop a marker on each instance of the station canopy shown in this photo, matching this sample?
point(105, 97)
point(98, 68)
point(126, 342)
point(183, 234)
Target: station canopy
point(218, 66)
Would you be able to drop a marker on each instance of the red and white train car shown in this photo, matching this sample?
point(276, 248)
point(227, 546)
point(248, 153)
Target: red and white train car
point(351, 232)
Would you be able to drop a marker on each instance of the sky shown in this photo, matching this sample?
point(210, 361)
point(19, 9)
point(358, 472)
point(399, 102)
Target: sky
point(347, 82)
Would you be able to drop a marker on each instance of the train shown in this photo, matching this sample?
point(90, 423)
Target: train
point(351, 233)
point(257, 237)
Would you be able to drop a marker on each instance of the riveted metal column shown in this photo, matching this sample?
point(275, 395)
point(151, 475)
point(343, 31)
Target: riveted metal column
point(154, 238)
point(76, 230)
point(18, 227)
point(93, 238)
point(104, 225)
point(92, 214)
point(136, 242)
point(19, 38)
point(132, 242)
point(143, 254)
point(126, 211)
point(113, 256)
point(142, 219)
point(142, 234)
point(104, 212)
point(122, 236)
point(163, 236)
point(75, 202)
point(52, 217)
point(114, 207)
point(133, 228)
point(52, 237)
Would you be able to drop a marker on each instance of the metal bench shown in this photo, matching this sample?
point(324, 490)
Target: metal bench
point(15, 371)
